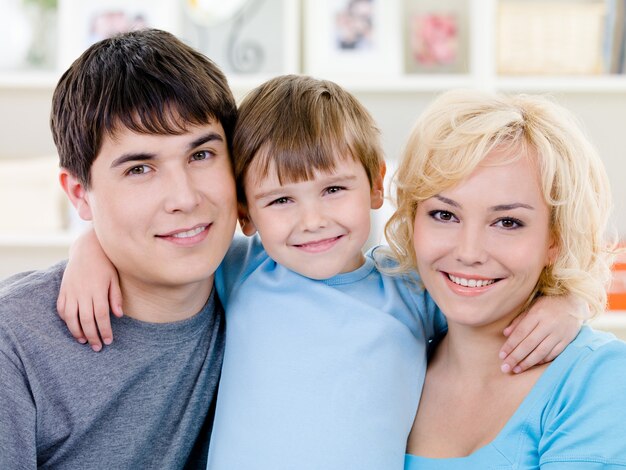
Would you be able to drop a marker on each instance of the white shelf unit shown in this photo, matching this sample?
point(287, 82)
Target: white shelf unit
point(394, 100)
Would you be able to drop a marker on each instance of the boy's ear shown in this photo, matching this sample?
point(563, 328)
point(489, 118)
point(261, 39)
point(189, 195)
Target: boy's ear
point(247, 226)
point(77, 194)
point(377, 194)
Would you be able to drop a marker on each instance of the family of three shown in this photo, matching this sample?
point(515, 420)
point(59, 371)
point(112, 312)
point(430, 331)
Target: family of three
point(326, 357)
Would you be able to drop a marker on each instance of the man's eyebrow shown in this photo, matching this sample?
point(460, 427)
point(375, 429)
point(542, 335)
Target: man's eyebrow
point(211, 136)
point(144, 156)
point(132, 157)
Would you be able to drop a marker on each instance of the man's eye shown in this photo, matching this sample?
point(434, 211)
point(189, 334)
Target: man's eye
point(138, 170)
point(201, 155)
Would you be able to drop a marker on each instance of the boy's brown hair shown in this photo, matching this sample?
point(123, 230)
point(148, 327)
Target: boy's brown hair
point(147, 81)
point(297, 125)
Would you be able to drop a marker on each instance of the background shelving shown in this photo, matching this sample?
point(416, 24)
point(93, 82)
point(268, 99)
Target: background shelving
point(395, 97)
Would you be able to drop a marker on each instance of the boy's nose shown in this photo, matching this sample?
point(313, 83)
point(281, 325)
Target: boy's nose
point(313, 217)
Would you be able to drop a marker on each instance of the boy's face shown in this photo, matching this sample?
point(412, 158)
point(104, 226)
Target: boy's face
point(163, 206)
point(316, 228)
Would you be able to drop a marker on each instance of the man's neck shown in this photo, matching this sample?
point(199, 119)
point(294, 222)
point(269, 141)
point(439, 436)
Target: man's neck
point(164, 304)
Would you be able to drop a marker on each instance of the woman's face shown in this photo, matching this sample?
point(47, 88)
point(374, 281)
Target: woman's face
point(481, 245)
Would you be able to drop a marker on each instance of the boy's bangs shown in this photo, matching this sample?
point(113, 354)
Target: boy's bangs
point(300, 161)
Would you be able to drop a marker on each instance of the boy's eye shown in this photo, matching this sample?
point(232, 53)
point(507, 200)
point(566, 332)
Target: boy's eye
point(201, 155)
point(280, 200)
point(334, 189)
point(443, 216)
point(138, 170)
point(509, 223)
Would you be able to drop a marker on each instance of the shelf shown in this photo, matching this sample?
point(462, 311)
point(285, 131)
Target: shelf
point(614, 319)
point(572, 84)
point(35, 240)
point(29, 80)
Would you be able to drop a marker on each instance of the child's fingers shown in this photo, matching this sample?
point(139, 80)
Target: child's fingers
point(542, 354)
point(509, 329)
point(520, 332)
point(103, 318)
point(527, 350)
point(70, 317)
point(115, 299)
point(88, 323)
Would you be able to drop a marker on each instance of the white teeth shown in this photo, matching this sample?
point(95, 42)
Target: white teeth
point(189, 233)
point(470, 282)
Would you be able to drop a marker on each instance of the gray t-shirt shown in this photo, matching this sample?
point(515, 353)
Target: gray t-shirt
point(145, 402)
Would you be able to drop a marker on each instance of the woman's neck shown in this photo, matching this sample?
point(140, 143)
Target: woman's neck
point(470, 350)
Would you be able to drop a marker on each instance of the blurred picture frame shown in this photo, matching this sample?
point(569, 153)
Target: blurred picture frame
point(83, 23)
point(436, 37)
point(352, 38)
point(257, 40)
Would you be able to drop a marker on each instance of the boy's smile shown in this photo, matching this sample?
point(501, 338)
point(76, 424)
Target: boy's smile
point(163, 206)
point(316, 228)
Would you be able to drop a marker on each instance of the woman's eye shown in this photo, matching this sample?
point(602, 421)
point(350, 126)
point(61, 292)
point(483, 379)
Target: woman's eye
point(443, 216)
point(509, 223)
point(201, 155)
point(139, 170)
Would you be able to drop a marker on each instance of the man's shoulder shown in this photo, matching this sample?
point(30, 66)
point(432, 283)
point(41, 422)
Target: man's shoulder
point(30, 290)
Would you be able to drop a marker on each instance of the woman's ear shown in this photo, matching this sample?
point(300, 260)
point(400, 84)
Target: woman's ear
point(77, 194)
point(377, 194)
point(247, 226)
point(553, 250)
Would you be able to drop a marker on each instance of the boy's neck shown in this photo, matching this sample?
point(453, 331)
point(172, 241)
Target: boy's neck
point(164, 304)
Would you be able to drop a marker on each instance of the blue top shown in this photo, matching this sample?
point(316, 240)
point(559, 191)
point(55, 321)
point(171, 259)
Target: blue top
point(317, 374)
point(574, 417)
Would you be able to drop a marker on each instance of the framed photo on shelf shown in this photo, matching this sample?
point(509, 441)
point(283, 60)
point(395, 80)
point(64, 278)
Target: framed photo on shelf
point(253, 39)
point(352, 38)
point(436, 36)
point(86, 22)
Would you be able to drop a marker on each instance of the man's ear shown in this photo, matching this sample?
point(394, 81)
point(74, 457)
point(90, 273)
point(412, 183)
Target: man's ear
point(377, 194)
point(77, 194)
point(247, 226)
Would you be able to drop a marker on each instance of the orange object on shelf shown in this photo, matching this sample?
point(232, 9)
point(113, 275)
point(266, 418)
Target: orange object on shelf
point(617, 290)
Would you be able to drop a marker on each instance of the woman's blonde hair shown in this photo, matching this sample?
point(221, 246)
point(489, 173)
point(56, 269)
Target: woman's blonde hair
point(460, 128)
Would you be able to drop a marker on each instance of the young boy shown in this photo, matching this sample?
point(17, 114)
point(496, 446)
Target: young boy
point(325, 356)
point(142, 124)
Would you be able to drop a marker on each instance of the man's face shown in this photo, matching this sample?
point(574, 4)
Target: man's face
point(163, 206)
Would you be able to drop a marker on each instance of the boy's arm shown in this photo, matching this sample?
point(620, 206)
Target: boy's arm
point(90, 285)
point(542, 333)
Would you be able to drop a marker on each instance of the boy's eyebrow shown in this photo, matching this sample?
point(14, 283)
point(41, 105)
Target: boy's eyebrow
point(327, 182)
point(496, 208)
point(141, 156)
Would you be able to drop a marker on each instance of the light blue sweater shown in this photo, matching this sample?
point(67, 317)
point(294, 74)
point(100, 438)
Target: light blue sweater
point(573, 418)
point(317, 374)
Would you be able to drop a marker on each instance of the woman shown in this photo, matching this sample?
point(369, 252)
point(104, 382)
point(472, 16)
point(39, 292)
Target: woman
point(502, 200)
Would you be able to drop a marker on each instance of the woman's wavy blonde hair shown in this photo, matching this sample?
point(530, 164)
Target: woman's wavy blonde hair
point(460, 128)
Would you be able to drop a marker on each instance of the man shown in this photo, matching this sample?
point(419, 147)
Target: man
point(142, 124)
